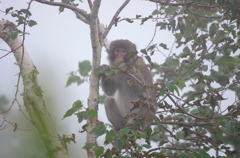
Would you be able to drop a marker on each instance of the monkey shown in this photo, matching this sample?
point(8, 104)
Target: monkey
point(128, 103)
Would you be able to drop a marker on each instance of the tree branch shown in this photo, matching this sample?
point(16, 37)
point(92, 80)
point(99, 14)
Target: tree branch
point(69, 6)
point(32, 95)
point(183, 110)
point(114, 18)
point(188, 123)
point(166, 2)
point(173, 148)
point(90, 4)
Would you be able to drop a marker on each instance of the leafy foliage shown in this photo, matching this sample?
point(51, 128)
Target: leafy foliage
point(204, 75)
point(84, 69)
point(77, 105)
point(22, 16)
point(198, 88)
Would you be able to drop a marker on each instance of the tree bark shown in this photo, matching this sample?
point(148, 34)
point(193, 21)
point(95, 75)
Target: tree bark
point(94, 80)
point(32, 95)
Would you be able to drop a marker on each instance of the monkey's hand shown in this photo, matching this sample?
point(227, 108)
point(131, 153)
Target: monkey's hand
point(102, 69)
point(123, 67)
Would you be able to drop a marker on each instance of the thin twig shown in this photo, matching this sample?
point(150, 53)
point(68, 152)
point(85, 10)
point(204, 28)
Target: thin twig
point(189, 123)
point(155, 29)
point(191, 3)
point(183, 110)
point(173, 148)
point(114, 18)
point(171, 134)
point(69, 6)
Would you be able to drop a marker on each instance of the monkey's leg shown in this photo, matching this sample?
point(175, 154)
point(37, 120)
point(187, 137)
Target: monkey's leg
point(113, 113)
point(143, 117)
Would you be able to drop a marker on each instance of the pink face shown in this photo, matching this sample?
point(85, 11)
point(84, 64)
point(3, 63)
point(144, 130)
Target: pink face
point(120, 53)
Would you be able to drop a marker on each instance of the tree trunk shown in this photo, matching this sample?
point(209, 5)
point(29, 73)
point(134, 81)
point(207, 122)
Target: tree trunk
point(32, 95)
point(94, 80)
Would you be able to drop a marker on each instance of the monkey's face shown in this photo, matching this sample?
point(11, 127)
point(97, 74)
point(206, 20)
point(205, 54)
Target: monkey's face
point(120, 55)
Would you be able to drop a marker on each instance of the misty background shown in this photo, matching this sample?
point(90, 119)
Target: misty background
point(56, 45)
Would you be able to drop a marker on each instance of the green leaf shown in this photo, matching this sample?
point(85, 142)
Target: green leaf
point(26, 11)
point(171, 10)
point(99, 130)
point(186, 50)
point(176, 89)
point(221, 79)
point(21, 19)
point(172, 63)
point(91, 113)
point(148, 133)
point(61, 9)
point(173, 24)
point(204, 67)
point(155, 12)
point(212, 29)
point(180, 134)
point(74, 79)
point(181, 83)
point(77, 105)
point(89, 145)
point(170, 86)
point(84, 67)
point(156, 119)
point(227, 62)
point(231, 28)
point(118, 144)
point(183, 155)
point(211, 56)
point(32, 23)
point(15, 34)
point(150, 48)
point(109, 136)
point(238, 76)
point(191, 69)
point(230, 127)
point(101, 98)
point(147, 146)
point(149, 59)
point(145, 19)
point(8, 10)
point(83, 115)
point(130, 82)
point(203, 153)
point(161, 116)
point(99, 72)
point(123, 132)
point(164, 46)
point(99, 151)
point(162, 90)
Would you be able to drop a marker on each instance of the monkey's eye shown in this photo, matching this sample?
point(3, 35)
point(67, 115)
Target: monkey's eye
point(120, 50)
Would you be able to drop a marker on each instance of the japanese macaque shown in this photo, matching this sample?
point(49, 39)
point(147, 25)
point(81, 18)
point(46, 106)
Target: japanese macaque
point(131, 98)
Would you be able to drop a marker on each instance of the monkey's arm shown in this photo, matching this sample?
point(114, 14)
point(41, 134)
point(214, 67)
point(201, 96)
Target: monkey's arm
point(108, 85)
point(142, 79)
point(139, 74)
point(150, 91)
